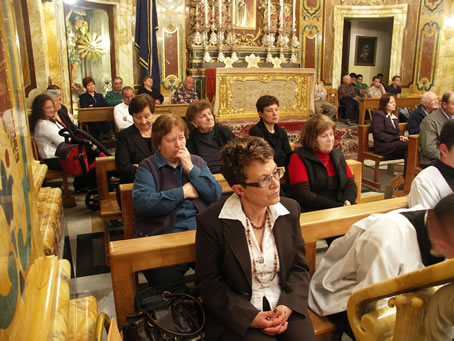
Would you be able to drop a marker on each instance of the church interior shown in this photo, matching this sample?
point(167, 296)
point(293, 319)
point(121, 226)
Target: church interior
point(70, 263)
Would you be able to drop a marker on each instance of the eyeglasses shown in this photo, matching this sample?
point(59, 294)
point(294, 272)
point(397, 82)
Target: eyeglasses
point(266, 182)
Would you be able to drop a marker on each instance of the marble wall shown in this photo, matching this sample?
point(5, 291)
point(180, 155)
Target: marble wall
point(423, 27)
point(422, 57)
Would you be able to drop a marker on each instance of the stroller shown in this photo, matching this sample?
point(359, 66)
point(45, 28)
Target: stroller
point(78, 157)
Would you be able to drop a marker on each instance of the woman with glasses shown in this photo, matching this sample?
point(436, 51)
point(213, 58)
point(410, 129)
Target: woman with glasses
point(250, 265)
point(319, 176)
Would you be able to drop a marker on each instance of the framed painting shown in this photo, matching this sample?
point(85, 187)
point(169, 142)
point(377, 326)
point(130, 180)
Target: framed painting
point(244, 14)
point(365, 50)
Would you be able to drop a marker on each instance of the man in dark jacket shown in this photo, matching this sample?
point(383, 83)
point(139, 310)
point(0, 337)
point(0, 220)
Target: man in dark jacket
point(429, 103)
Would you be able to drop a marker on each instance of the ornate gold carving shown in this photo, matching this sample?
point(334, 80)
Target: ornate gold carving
point(239, 89)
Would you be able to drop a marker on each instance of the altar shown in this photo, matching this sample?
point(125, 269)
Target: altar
point(237, 91)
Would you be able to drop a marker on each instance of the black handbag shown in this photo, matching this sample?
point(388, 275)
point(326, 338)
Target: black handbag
point(175, 316)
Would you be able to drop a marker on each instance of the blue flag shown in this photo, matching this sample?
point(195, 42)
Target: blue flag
point(145, 40)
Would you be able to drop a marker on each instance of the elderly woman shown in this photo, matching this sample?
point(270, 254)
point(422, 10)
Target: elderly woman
point(267, 128)
point(45, 127)
point(388, 139)
point(147, 88)
point(170, 188)
point(319, 176)
point(207, 137)
point(250, 266)
point(134, 143)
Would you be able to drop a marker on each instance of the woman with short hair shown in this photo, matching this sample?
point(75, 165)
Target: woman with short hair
point(268, 129)
point(388, 139)
point(250, 266)
point(147, 88)
point(206, 136)
point(134, 143)
point(319, 175)
point(91, 98)
point(170, 188)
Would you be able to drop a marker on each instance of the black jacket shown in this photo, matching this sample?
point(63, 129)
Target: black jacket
point(415, 120)
point(319, 180)
point(222, 135)
point(278, 141)
point(95, 101)
point(131, 149)
point(153, 93)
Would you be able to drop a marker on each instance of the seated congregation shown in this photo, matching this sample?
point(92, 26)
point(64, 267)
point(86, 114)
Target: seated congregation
point(250, 264)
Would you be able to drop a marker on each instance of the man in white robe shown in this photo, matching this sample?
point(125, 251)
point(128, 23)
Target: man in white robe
point(436, 181)
point(377, 248)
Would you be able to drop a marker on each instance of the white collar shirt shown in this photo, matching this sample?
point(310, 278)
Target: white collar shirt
point(264, 260)
point(122, 117)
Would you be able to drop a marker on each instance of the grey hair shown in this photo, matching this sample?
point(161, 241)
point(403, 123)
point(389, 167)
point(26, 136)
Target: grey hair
point(51, 93)
point(426, 97)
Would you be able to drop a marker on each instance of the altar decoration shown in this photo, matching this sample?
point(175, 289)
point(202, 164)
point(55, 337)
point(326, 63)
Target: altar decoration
point(238, 28)
point(237, 91)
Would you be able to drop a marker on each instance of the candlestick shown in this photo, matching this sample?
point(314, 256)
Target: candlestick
point(206, 13)
point(220, 13)
point(269, 16)
point(233, 13)
point(294, 14)
point(281, 13)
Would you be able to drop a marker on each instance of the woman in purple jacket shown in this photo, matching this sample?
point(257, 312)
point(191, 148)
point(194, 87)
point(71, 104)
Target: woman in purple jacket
point(388, 139)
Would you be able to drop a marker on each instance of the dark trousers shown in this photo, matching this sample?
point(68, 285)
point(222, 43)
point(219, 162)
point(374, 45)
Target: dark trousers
point(351, 108)
point(53, 164)
point(169, 275)
point(299, 329)
point(341, 322)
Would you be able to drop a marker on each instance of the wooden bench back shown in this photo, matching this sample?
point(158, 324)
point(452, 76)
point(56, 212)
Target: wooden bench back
point(177, 109)
point(95, 114)
point(413, 165)
point(363, 138)
point(103, 166)
point(138, 254)
point(127, 206)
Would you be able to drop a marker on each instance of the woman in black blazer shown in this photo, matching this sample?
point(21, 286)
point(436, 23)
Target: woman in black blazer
point(91, 98)
point(388, 139)
point(250, 266)
point(134, 143)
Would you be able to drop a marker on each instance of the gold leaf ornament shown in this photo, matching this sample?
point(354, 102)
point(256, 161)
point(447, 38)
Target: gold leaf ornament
point(90, 46)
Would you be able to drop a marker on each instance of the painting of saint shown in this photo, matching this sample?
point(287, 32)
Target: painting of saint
point(365, 51)
point(244, 12)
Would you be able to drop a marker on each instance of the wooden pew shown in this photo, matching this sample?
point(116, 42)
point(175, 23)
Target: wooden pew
point(108, 204)
point(128, 212)
point(413, 165)
point(87, 115)
point(372, 104)
point(364, 152)
point(177, 109)
point(133, 255)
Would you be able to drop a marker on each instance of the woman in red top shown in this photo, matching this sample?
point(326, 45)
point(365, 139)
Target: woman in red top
point(319, 176)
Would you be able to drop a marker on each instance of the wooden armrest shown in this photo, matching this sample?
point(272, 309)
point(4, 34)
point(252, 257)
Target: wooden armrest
point(433, 275)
